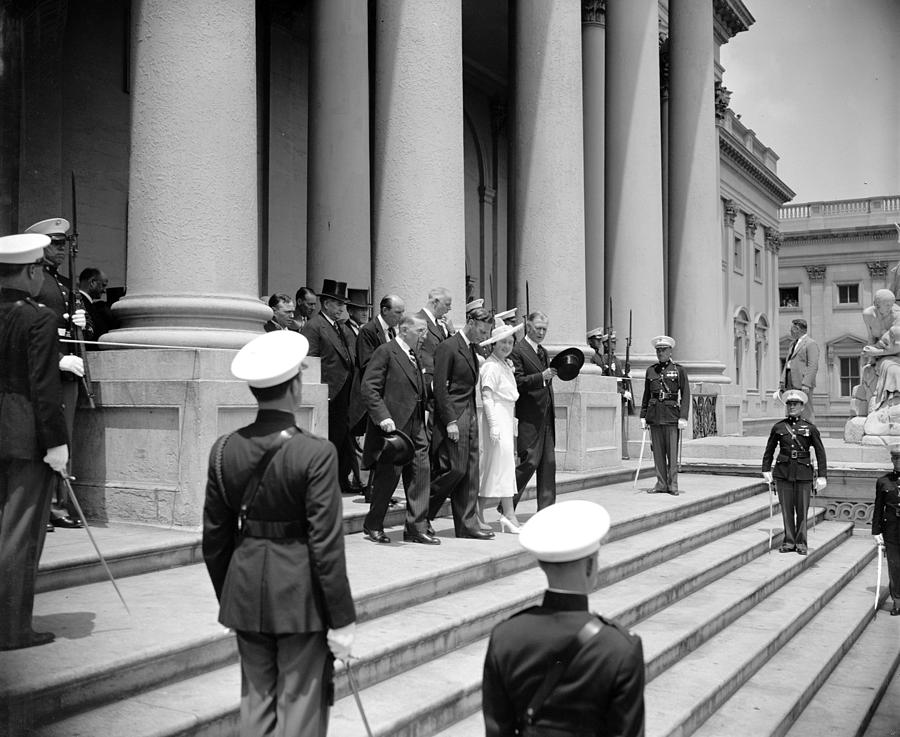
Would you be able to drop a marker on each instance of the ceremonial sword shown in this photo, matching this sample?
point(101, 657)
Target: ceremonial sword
point(878, 581)
point(641, 459)
point(355, 689)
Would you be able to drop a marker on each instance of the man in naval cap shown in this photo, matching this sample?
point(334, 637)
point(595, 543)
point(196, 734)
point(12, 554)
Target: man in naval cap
point(33, 436)
point(599, 687)
point(886, 524)
point(664, 409)
point(604, 346)
point(793, 474)
point(273, 543)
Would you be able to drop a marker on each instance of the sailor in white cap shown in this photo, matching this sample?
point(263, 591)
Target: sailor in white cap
point(793, 471)
point(273, 544)
point(474, 305)
point(599, 688)
point(33, 436)
point(664, 409)
point(886, 524)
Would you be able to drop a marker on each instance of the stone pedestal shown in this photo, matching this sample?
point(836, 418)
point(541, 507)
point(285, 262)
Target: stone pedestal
point(588, 417)
point(142, 455)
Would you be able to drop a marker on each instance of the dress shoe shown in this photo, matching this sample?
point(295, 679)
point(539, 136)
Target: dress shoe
point(50, 528)
point(429, 529)
point(507, 525)
point(31, 639)
point(674, 492)
point(801, 549)
point(393, 502)
point(477, 535)
point(376, 536)
point(657, 491)
point(420, 537)
point(786, 549)
point(66, 521)
point(896, 610)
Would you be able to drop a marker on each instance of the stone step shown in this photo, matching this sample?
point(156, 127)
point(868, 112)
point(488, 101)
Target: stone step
point(718, 667)
point(851, 694)
point(886, 719)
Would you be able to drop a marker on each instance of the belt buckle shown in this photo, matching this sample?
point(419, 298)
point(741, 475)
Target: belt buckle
point(793, 455)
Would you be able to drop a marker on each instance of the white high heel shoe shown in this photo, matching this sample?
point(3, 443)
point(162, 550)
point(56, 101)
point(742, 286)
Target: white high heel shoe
point(508, 526)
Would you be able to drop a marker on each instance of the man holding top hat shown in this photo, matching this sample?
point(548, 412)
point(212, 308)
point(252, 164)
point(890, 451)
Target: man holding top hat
point(273, 542)
point(394, 393)
point(33, 436)
point(556, 668)
point(793, 471)
point(886, 524)
point(664, 409)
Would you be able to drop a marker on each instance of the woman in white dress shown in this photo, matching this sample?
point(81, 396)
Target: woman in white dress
point(497, 430)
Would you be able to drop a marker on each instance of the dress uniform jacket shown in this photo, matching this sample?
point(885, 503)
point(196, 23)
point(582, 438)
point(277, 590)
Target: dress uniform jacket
point(602, 691)
point(667, 395)
point(886, 514)
point(287, 585)
point(793, 437)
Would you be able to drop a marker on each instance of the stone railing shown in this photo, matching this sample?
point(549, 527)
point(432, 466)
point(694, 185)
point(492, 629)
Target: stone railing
point(840, 208)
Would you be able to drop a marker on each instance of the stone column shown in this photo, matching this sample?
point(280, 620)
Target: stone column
point(419, 211)
point(593, 55)
point(695, 273)
point(634, 259)
point(338, 225)
point(192, 228)
point(548, 147)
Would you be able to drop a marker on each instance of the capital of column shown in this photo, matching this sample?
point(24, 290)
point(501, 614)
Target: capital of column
point(751, 222)
point(723, 100)
point(816, 273)
point(593, 12)
point(730, 212)
point(773, 239)
point(877, 269)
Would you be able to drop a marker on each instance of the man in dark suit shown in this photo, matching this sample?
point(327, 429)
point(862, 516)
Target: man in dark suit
point(535, 411)
point(92, 285)
point(333, 342)
point(282, 314)
point(601, 690)
point(438, 305)
point(455, 439)
point(33, 436)
point(394, 393)
point(273, 543)
point(305, 303)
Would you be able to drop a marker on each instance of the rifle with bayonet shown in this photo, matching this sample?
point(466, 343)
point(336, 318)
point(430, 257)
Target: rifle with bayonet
point(626, 380)
point(75, 302)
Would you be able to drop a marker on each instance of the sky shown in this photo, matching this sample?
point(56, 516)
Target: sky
point(819, 83)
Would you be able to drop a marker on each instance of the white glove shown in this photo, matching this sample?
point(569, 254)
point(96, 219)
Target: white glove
point(495, 434)
point(79, 318)
point(682, 424)
point(387, 425)
point(767, 475)
point(627, 395)
point(821, 484)
point(57, 458)
point(340, 641)
point(72, 364)
point(643, 424)
point(879, 539)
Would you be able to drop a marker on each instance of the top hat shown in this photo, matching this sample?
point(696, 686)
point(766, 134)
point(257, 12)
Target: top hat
point(394, 447)
point(568, 363)
point(358, 298)
point(332, 289)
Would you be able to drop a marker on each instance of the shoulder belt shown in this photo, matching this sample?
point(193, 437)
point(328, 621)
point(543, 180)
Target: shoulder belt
point(256, 478)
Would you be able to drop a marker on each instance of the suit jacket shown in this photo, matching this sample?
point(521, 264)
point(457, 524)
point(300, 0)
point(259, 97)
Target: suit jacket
point(101, 318)
point(285, 585)
point(337, 359)
point(455, 377)
point(601, 692)
point(369, 338)
point(392, 387)
point(803, 364)
point(534, 407)
point(31, 414)
point(434, 336)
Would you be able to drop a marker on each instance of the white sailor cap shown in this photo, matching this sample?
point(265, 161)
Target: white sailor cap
point(794, 395)
point(506, 313)
point(270, 359)
point(662, 340)
point(53, 226)
point(474, 304)
point(565, 531)
point(25, 248)
point(596, 333)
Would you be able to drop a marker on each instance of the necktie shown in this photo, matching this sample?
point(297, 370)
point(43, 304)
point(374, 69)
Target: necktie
point(391, 333)
point(412, 357)
point(337, 327)
point(793, 349)
point(542, 354)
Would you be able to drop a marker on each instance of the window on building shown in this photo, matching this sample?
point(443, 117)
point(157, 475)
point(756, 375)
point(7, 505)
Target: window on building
point(757, 263)
point(738, 254)
point(849, 374)
point(789, 296)
point(848, 294)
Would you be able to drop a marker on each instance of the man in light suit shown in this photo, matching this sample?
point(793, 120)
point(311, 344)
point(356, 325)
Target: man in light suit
point(801, 366)
point(454, 442)
point(333, 342)
point(273, 544)
point(535, 411)
point(394, 392)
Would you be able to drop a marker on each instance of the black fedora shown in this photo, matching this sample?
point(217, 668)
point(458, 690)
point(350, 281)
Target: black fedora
point(568, 363)
point(358, 298)
point(394, 447)
point(332, 289)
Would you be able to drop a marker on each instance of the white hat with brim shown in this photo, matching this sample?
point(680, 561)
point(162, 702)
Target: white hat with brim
point(474, 304)
point(502, 331)
point(596, 333)
point(794, 395)
point(662, 341)
point(51, 226)
point(565, 531)
point(270, 359)
point(506, 313)
point(25, 248)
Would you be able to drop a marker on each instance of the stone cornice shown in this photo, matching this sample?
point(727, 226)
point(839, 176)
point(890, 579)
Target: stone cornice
point(872, 233)
point(735, 152)
point(593, 12)
point(730, 17)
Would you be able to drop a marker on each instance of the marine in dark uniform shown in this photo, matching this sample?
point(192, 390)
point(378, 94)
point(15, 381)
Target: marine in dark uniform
point(600, 693)
point(664, 409)
point(604, 347)
point(278, 565)
point(33, 437)
point(886, 524)
point(793, 472)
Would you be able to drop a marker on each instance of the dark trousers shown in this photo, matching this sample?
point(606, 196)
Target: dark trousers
point(339, 433)
point(26, 488)
point(540, 456)
point(285, 684)
point(416, 481)
point(61, 506)
point(892, 552)
point(456, 475)
point(794, 499)
point(664, 443)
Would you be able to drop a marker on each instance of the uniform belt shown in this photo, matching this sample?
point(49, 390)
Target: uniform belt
point(663, 395)
point(794, 455)
point(275, 530)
